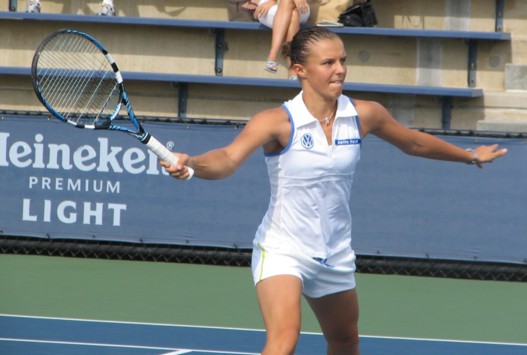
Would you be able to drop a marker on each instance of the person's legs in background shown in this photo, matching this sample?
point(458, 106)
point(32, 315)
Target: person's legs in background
point(285, 24)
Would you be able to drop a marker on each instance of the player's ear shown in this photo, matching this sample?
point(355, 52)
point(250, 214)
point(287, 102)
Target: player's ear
point(299, 70)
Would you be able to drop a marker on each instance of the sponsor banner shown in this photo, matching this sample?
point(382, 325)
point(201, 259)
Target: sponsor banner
point(62, 182)
point(411, 207)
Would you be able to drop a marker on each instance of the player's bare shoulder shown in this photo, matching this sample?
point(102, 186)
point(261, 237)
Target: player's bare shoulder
point(371, 115)
point(273, 120)
point(274, 127)
point(274, 114)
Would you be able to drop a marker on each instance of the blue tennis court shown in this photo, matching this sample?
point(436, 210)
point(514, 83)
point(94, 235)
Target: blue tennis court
point(41, 335)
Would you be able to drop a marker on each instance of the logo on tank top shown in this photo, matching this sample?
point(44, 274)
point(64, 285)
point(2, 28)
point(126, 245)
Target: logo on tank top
point(348, 141)
point(307, 141)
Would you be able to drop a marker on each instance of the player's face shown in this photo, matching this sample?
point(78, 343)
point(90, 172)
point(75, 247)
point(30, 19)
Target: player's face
point(325, 70)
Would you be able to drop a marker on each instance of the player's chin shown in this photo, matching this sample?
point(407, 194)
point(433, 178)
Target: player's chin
point(336, 87)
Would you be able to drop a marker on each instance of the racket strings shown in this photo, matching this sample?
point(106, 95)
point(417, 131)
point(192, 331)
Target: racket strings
point(65, 87)
point(77, 80)
point(85, 65)
point(105, 84)
point(74, 84)
point(92, 66)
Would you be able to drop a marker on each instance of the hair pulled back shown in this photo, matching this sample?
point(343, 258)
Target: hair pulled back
point(299, 48)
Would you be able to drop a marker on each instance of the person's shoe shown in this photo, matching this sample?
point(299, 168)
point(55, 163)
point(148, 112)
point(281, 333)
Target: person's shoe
point(33, 7)
point(106, 10)
point(271, 66)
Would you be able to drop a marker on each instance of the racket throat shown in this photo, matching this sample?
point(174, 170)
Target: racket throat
point(144, 137)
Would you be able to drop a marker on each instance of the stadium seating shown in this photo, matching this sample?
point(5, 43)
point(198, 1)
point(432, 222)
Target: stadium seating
point(432, 77)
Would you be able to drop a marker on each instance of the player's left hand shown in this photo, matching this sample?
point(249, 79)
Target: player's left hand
point(488, 153)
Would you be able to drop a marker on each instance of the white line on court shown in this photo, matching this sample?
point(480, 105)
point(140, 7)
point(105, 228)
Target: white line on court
point(172, 350)
point(213, 352)
point(259, 330)
point(137, 323)
point(20, 340)
point(445, 340)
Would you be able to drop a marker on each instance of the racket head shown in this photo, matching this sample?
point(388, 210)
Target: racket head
point(77, 80)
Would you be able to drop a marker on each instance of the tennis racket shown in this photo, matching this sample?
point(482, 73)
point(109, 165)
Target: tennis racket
point(79, 83)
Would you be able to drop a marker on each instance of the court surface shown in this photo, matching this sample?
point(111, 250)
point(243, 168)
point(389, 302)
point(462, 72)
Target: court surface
point(37, 335)
point(54, 305)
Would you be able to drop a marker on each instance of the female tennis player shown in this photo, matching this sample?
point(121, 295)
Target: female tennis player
point(312, 145)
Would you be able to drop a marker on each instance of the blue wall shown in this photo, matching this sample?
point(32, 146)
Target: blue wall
point(107, 187)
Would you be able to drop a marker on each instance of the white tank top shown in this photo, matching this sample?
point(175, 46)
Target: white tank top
point(311, 183)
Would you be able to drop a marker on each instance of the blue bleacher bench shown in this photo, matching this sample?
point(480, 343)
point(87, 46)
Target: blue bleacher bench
point(284, 83)
point(219, 28)
point(446, 94)
point(176, 22)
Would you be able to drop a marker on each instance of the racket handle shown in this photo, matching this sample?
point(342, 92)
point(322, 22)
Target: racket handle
point(164, 154)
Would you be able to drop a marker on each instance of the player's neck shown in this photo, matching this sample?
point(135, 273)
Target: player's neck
point(323, 110)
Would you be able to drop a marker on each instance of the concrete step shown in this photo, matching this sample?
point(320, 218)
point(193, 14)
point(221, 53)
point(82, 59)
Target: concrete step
point(502, 126)
point(510, 99)
point(504, 111)
point(515, 77)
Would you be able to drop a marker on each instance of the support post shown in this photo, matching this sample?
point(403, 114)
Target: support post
point(12, 5)
point(182, 100)
point(446, 112)
point(472, 62)
point(221, 47)
point(500, 8)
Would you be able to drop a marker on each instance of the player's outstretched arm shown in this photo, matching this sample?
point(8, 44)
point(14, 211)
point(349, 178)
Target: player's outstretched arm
point(220, 163)
point(375, 119)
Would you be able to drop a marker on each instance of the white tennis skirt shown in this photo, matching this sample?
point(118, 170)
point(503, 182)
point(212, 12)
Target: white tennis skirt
point(320, 277)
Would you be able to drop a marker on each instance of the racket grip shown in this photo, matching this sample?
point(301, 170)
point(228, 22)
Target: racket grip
point(164, 154)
